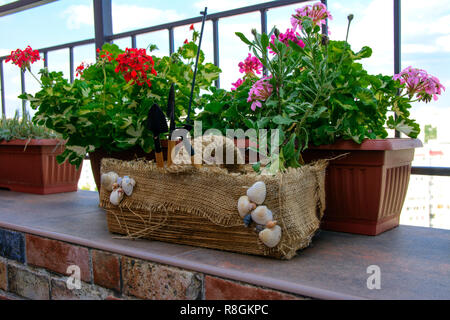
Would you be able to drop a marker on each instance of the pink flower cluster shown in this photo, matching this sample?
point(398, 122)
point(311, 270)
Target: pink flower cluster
point(419, 82)
point(290, 34)
point(237, 84)
point(317, 12)
point(250, 65)
point(260, 91)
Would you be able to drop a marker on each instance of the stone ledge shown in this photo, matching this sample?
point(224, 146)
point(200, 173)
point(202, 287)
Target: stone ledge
point(413, 261)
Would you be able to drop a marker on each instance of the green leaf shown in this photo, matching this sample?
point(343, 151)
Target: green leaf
point(244, 38)
point(289, 148)
point(282, 120)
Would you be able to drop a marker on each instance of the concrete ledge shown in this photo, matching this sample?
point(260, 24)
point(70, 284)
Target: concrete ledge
point(414, 262)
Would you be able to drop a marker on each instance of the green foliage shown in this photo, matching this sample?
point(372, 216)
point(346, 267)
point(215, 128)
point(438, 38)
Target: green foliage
point(23, 129)
point(321, 94)
point(101, 110)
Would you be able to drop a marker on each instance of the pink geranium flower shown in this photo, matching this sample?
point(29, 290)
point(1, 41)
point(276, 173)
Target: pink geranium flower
point(418, 82)
point(237, 84)
point(290, 34)
point(250, 65)
point(260, 91)
point(317, 12)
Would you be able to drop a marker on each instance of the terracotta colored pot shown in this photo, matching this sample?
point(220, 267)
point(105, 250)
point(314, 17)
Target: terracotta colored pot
point(35, 170)
point(127, 155)
point(366, 189)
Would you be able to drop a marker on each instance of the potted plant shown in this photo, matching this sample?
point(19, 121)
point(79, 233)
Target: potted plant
point(104, 111)
point(324, 105)
point(28, 159)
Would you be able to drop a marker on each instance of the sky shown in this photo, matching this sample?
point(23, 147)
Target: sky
point(425, 36)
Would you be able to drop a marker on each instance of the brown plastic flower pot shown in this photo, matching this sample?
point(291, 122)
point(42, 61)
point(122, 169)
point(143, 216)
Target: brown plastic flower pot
point(365, 189)
point(35, 170)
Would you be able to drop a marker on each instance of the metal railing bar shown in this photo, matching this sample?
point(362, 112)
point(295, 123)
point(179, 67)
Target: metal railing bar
point(431, 171)
point(71, 63)
point(133, 42)
point(219, 15)
point(46, 59)
point(21, 5)
point(397, 44)
point(216, 47)
point(2, 88)
point(171, 41)
point(264, 30)
point(325, 26)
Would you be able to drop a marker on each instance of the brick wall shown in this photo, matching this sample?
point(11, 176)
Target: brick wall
point(33, 267)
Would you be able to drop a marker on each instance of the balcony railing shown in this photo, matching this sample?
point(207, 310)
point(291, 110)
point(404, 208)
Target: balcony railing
point(103, 33)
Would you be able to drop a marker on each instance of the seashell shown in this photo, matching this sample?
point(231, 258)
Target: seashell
point(128, 185)
point(119, 180)
point(257, 192)
point(108, 179)
point(248, 220)
point(262, 215)
point(245, 206)
point(116, 196)
point(115, 186)
point(271, 224)
point(271, 236)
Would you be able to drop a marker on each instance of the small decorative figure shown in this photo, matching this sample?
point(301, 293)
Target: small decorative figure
point(108, 179)
point(271, 236)
point(116, 196)
point(245, 206)
point(257, 193)
point(262, 215)
point(128, 184)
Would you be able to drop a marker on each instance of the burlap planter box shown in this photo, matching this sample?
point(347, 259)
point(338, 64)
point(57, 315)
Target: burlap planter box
point(198, 207)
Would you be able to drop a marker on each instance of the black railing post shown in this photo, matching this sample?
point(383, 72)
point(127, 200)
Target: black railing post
point(103, 22)
point(71, 64)
point(171, 41)
point(216, 46)
point(397, 43)
point(45, 59)
point(2, 88)
point(133, 42)
point(264, 30)
point(325, 26)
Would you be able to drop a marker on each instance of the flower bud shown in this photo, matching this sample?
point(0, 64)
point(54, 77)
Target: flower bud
point(277, 33)
point(350, 17)
point(254, 32)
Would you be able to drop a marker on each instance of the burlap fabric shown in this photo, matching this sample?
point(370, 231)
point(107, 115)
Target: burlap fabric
point(198, 207)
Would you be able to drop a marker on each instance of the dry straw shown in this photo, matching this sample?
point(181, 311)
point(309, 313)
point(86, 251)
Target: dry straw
point(198, 206)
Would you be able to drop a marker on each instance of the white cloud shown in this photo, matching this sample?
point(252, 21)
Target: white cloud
point(125, 17)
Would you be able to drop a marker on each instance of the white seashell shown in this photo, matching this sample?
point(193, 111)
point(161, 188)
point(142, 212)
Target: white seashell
point(261, 215)
point(116, 196)
point(108, 179)
point(245, 206)
point(271, 237)
point(128, 185)
point(257, 192)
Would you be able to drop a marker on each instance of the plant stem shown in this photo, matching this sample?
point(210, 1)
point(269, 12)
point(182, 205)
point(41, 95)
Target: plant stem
point(39, 81)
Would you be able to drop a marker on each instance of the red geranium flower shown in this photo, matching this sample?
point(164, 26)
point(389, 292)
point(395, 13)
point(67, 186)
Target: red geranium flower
point(24, 58)
point(191, 27)
point(134, 65)
point(186, 41)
